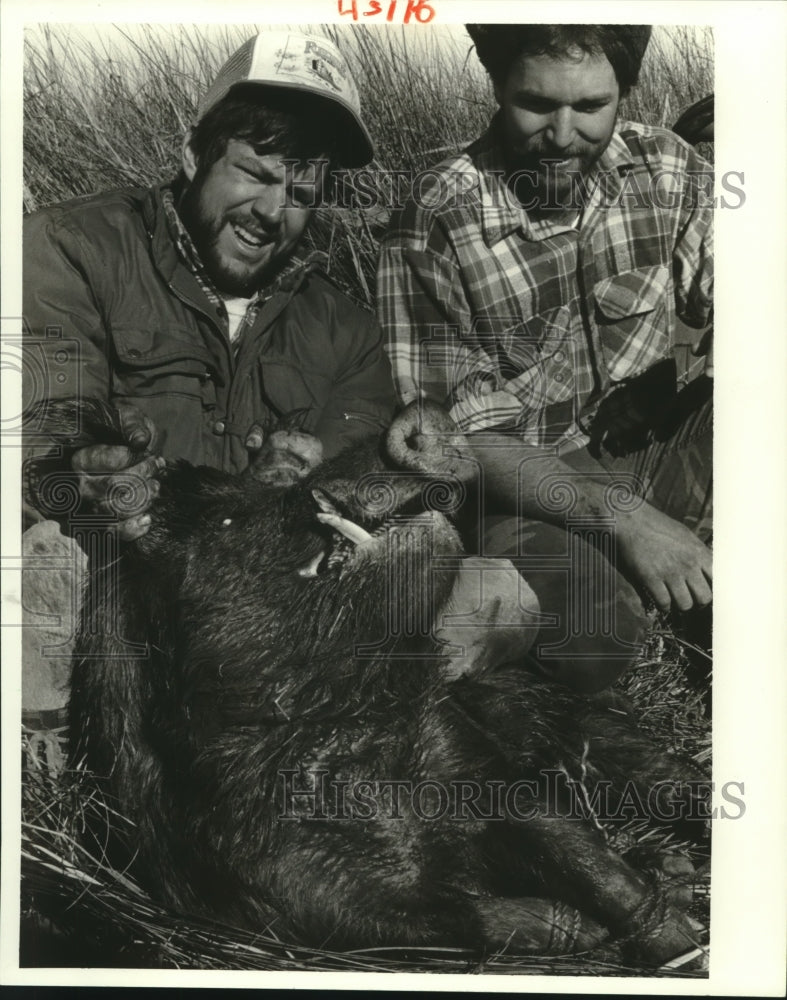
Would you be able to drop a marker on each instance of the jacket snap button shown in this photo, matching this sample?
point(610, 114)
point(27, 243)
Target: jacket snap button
point(134, 353)
point(218, 427)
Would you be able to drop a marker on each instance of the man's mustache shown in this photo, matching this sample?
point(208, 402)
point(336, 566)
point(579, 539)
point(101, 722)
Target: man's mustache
point(568, 155)
point(558, 154)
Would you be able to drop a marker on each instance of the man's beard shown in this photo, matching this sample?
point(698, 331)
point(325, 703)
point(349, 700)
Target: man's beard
point(544, 186)
point(229, 277)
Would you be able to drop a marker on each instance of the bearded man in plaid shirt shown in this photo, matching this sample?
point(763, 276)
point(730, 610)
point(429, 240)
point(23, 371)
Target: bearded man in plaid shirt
point(535, 286)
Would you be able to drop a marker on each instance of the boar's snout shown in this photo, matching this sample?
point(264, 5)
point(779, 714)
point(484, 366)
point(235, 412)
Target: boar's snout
point(423, 438)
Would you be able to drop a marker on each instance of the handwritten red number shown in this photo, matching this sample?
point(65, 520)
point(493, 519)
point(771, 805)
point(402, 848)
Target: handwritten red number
point(418, 9)
point(423, 12)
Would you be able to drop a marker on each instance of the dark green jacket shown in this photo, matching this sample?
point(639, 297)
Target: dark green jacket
point(112, 311)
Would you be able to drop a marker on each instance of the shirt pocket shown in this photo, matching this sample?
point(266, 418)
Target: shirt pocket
point(633, 319)
point(154, 363)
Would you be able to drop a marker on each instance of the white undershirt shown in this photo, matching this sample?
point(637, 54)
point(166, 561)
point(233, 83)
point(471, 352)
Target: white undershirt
point(236, 310)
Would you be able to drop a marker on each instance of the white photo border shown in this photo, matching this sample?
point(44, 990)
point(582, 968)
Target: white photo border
point(750, 695)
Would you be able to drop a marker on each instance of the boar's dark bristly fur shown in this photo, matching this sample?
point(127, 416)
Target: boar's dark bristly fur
point(257, 621)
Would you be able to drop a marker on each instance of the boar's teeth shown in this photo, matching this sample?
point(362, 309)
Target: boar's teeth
point(310, 569)
point(347, 528)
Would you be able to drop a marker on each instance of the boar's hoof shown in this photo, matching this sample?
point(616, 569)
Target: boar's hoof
point(659, 931)
point(534, 926)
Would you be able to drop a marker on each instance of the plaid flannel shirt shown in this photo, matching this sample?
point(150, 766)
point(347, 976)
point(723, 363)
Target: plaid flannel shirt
point(526, 325)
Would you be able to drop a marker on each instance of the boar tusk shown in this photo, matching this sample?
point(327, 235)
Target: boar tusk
point(310, 569)
point(349, 529)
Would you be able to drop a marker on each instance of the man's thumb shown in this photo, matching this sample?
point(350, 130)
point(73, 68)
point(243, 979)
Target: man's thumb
point(138, 429)
point(255, 438)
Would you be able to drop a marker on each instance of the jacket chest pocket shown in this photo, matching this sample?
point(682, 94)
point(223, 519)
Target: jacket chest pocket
point(288, 389)
point(633, 318)
point(152, 363)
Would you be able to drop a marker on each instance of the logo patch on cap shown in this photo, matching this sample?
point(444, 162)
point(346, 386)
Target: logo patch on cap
point(300, 62)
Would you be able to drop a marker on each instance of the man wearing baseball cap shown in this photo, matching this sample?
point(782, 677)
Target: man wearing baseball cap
point(185, 305)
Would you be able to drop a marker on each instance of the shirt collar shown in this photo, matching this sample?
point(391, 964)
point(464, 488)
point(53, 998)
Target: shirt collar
point(500, 214)
point(181, 238)
point(617, 156)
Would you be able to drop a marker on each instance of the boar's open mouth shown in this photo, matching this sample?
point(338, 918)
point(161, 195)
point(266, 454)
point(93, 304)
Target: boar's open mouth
point(431, 464)
point(348, 536)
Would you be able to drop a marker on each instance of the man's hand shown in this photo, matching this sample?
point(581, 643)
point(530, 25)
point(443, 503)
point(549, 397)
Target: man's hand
point(657, 552)
point(284, 457)
point(113, 479)
point(665, 558)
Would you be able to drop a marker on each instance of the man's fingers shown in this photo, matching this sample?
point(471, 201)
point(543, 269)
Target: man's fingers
point(255, 438)
point(277, 475)
point(143, 471)
point(702, 593)
point(659, 592)
point(707, 566)
point(124, 493)
point(128, 497)
point(702, 578)
point(102, 458)
point(133, 527)
point(681, 596)
point(667, 559)
point(138, 429)
point(294, 452)
point(304, 446)
point(115, 487)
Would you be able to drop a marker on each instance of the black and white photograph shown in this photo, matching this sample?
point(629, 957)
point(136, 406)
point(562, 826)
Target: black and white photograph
point(366, 388)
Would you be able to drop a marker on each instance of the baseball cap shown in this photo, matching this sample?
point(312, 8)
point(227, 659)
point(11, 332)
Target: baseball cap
point(308, 63)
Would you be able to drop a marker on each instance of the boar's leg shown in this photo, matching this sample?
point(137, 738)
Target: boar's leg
point(341, 896)
point(533, 926)
point(579, 868)
point(537, 727)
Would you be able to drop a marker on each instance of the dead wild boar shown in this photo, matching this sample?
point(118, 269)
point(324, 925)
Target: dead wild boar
point(258, 687)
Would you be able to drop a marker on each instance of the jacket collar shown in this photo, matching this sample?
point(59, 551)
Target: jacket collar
point(501, 215)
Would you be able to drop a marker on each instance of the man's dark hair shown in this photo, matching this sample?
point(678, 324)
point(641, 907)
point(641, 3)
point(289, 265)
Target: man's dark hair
point(273, 120)
point(500, 45)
